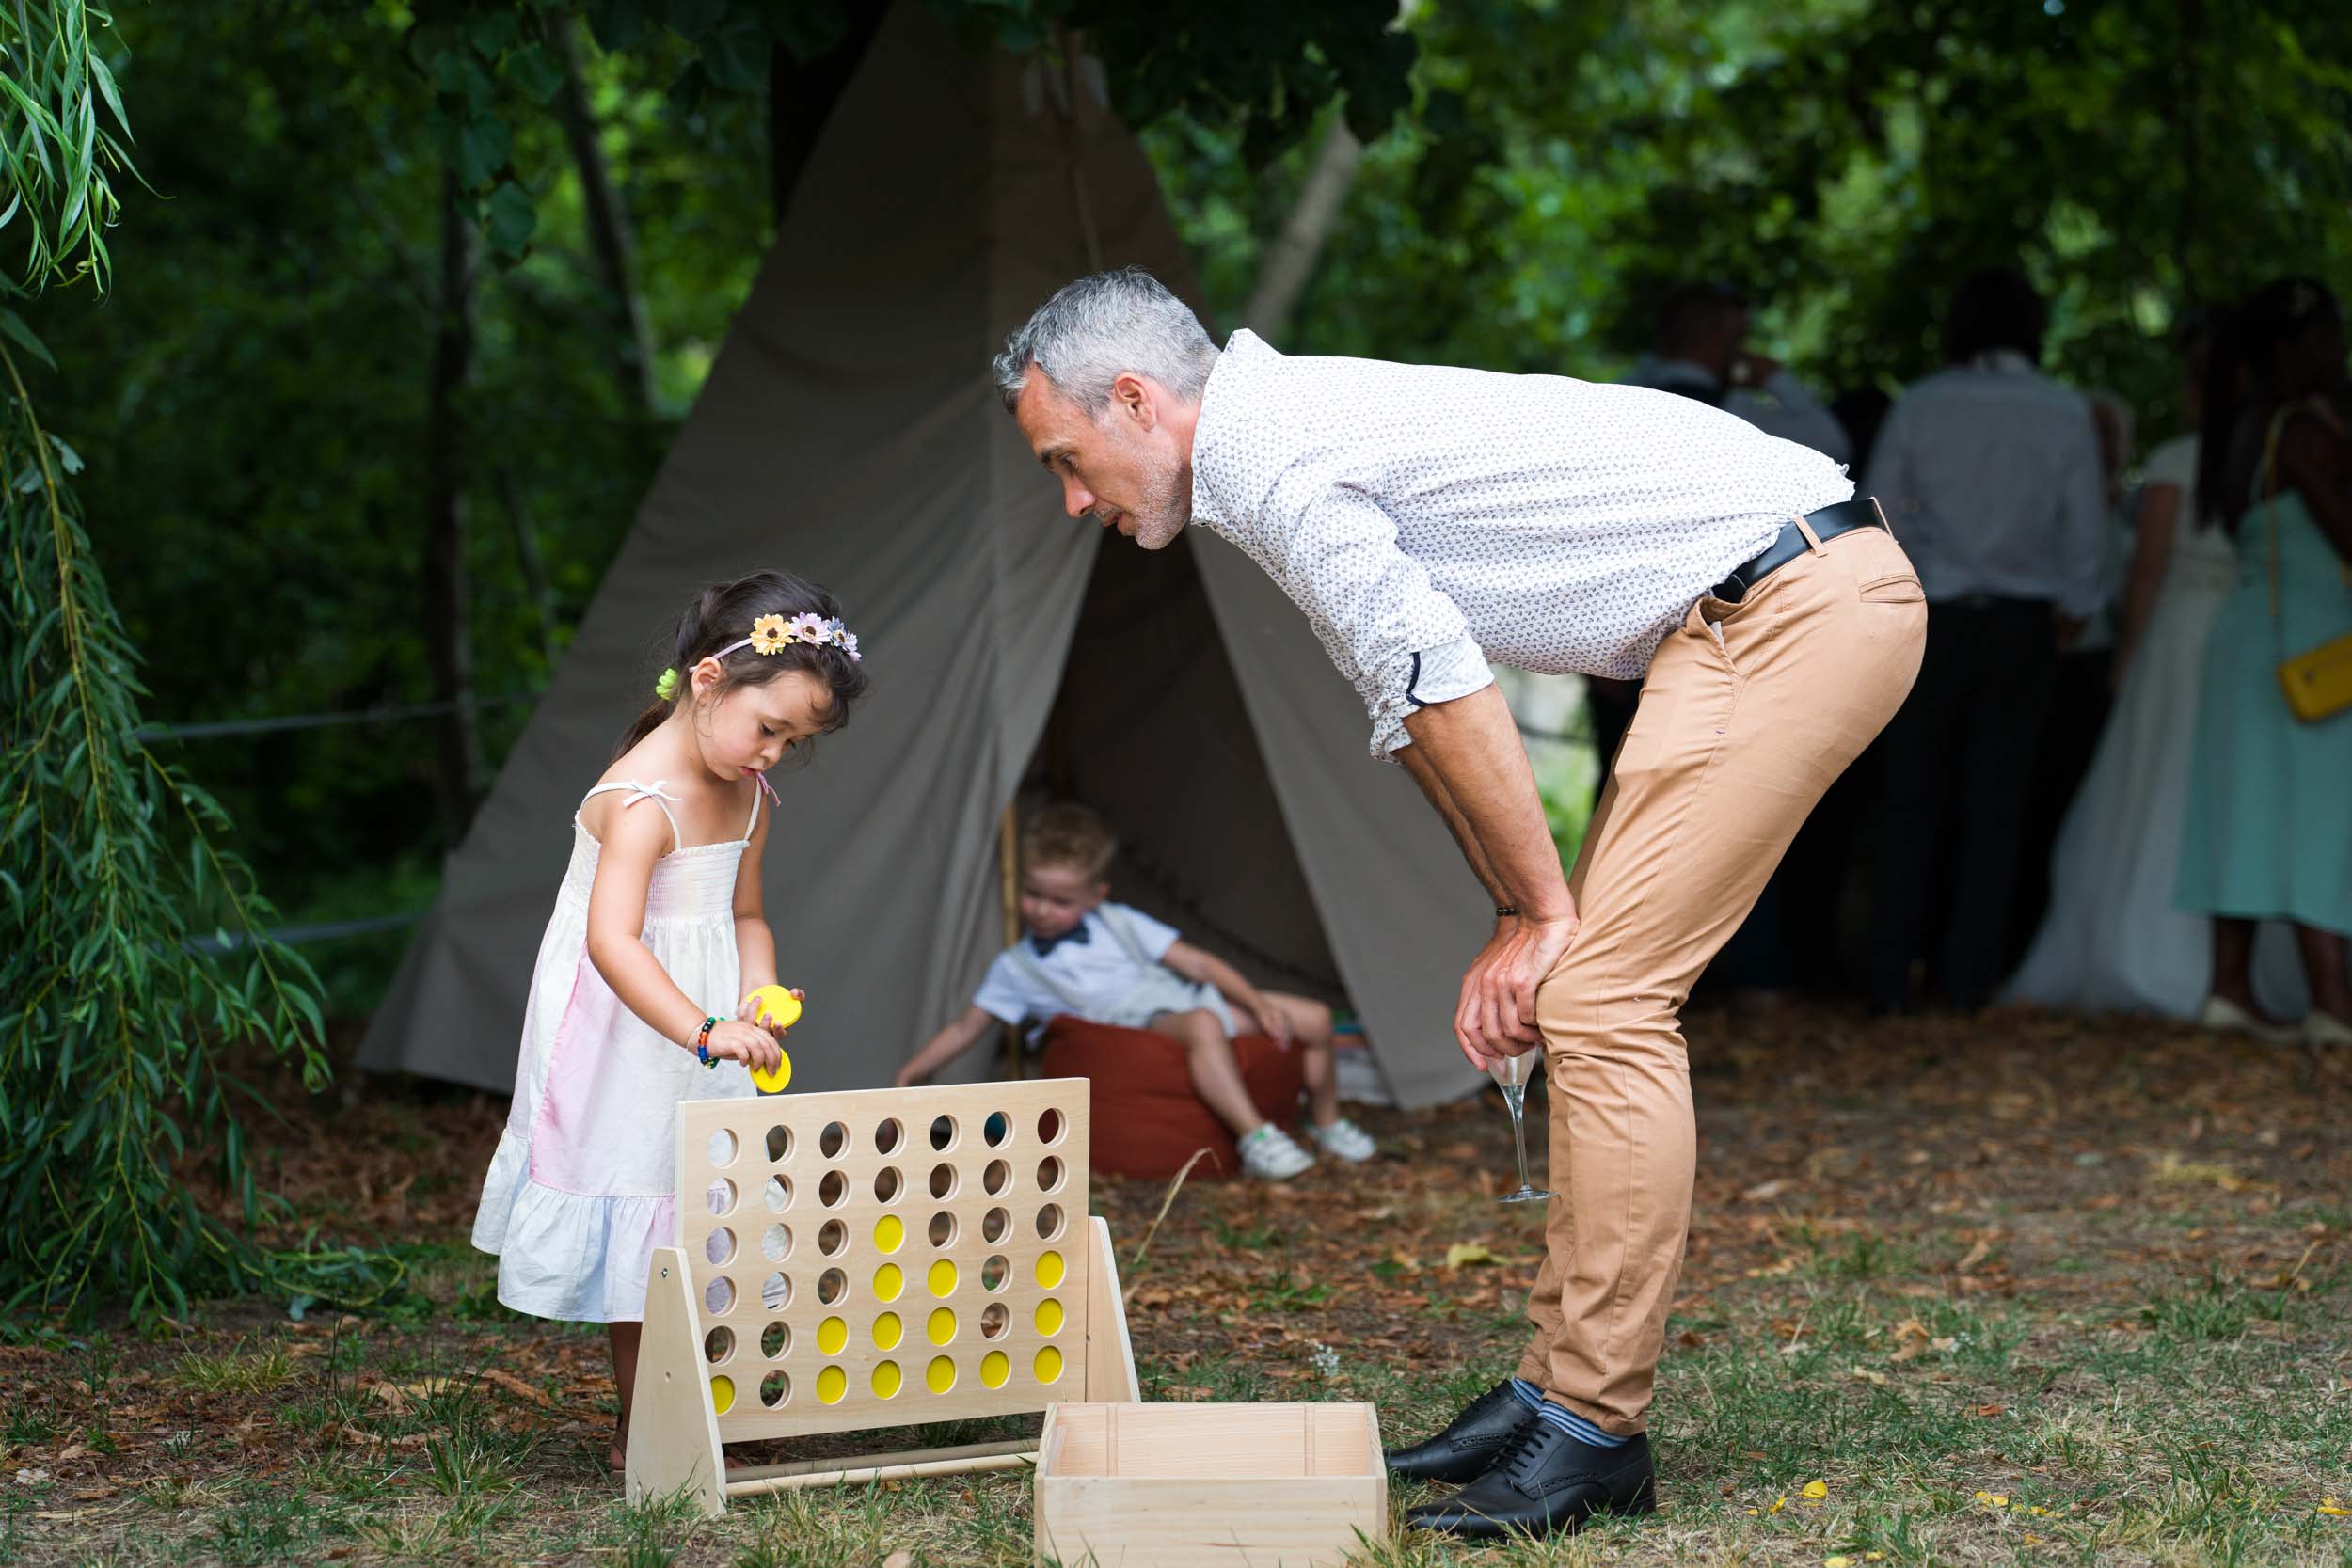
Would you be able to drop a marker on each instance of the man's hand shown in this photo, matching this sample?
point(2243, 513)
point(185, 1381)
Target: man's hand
point(1496, 1017)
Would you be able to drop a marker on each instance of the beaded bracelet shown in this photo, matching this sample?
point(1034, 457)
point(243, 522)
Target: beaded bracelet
point(1506, 911)
point(702, 1043)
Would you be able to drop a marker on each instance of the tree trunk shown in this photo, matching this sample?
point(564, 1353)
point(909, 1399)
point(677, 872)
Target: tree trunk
point(532, 559)
point(1290, 259)
point(448, 644)
point(608, 235)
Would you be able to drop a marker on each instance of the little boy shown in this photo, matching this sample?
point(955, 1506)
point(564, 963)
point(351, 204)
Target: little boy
point(1107, 963)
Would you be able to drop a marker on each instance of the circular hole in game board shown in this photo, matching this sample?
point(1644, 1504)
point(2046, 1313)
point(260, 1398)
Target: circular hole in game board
point(996, 1178)
point(774, 1389)
point(721, 1149)
point(775, 1292)
point(834, 1239)
point(719, 1198)
point(994, 1227)
point(719, 1295)
point(777, 1193)
point(1049, 1174)
point(717, 1345)
point(834, 1191)
point(997, 1130)
point(940, 1376)
point(1051, 1126)
point(943, 1230)
point(993, 1274)
point(943, 1134)
point(1048, 1365)
point(719, 1247)
point(832, 1140)
point(779, 1144)
point(774, 1341)
point(943, 1180)
point(888, 1135)
point(775, 1243)
point(994, 1321)
point(1049, 1223)
point(888, 1184)
point(831, 1285)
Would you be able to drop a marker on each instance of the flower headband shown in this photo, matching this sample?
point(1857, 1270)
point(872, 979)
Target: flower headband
point(773, 634)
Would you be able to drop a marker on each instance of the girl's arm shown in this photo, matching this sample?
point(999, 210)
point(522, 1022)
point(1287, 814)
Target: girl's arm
point(2151, 551)
point(633, 842)
point(946, 1046)
point(755, 944)
point(1194, 964)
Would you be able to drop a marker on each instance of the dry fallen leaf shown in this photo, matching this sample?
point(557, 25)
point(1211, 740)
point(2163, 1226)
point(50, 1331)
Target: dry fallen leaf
point(1462, 1254)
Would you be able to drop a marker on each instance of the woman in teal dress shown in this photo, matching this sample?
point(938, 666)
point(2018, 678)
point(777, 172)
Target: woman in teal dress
point(2268, 833)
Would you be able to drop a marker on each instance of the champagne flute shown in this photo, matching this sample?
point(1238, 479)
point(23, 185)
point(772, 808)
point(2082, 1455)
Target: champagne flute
point(1510, 1074)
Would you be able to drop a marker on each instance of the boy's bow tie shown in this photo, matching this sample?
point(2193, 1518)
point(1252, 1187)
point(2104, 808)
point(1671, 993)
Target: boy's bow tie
point(1046, 945)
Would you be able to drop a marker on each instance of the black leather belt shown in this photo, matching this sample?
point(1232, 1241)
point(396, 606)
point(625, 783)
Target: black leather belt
point(1826, 524)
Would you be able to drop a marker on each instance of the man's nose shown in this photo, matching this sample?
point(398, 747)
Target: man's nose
point(1077, 499)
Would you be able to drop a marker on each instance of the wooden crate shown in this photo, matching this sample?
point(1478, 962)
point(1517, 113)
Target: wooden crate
point(870, 1259)
point(1194, 1485)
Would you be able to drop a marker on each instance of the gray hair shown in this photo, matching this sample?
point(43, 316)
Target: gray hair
point(1099, 328)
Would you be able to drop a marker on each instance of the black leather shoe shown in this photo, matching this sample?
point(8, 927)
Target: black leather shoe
point(1463, 1450)
point(1545, 1483)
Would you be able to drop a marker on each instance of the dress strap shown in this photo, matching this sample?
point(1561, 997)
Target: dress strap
point(652, 792)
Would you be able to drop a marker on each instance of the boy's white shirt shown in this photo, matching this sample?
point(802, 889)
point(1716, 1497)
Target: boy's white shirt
point(1098, 972)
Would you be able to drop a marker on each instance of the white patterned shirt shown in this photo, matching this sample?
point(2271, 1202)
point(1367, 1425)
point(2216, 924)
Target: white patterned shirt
point(1427, 518)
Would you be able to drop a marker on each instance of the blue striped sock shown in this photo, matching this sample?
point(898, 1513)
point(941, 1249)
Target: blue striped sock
point(1577, 1426)
point(1527, 1393)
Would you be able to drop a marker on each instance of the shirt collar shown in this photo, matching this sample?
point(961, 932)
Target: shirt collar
point(1246, 358)
point(2002, 361)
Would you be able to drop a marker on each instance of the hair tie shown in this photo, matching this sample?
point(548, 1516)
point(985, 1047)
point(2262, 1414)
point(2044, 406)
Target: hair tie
point(666, 688)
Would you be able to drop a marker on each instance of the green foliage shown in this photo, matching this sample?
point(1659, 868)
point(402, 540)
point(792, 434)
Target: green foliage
point(56, 159)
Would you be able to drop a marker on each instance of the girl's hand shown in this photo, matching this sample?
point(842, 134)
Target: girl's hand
point(747, 1011)
point(737, 1041)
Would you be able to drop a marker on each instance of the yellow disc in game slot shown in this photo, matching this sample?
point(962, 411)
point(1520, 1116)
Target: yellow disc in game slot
point(831, 1336)
point(830, 1385)
point(886, 1378)
point(890, 1233)
point(941, 1326)
point(1049, 1316)
point(721, 1393)
point(775, 1006)
point(1049, 1269)
point(888, 1281)
point(943, 1277)
point(939, 1375)
point(995, 1368)
point(1048, 1365)
point(887, 1331)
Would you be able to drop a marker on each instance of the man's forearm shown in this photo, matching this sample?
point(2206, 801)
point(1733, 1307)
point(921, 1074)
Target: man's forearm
point(1471, 749)
point(1417, 763)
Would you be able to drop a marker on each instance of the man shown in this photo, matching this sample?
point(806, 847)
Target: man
point(1992, 471)
point(1424, 518)
point(1702, 352)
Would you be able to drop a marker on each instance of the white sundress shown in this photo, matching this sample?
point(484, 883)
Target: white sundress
point(584, 1182)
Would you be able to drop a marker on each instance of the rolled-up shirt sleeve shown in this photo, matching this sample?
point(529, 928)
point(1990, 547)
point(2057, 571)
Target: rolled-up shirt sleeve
point(1395, 636)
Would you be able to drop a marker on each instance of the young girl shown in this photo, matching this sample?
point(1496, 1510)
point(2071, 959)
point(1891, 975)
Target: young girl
point(658, 932)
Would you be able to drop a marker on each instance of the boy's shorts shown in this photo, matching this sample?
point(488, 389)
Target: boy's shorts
point(1166, 991)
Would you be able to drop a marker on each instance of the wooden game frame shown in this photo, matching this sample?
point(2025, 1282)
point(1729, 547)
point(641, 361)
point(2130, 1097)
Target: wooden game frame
point(767, 1319)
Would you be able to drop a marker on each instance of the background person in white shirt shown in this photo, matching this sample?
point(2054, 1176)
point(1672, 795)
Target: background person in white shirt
point(1425, 518)
point(1991, 472)
point(1107, 963)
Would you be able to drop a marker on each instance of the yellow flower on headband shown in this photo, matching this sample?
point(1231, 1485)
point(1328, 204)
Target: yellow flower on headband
point(768, 634)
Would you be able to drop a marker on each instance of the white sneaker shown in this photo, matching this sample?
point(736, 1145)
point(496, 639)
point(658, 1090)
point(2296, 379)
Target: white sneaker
point(1268, 1153)
point(1344, 1140)
point(2221, 1013)
point(2324, 1031)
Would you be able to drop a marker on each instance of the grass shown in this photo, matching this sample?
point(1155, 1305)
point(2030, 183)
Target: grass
point(2020, 1293)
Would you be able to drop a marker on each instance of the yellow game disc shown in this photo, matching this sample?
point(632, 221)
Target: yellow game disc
point(774, 1005)
point(830, 1385)
point(1049, 1269)
point(831, 1335)
point(942, 1325)
point(995, 1368)
point(721, 1392)
point(1048, 1365)
point(886, 1331)
point(888, 1281)
point(890, 1233)
point(886, 1378)
point(1049, 1316)
point(943, 1277)
point(939, 1375)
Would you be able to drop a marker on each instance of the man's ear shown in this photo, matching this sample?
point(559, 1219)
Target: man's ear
point(1133, 398)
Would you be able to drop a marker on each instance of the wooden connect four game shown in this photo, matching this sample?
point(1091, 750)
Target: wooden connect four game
point(870, 1259)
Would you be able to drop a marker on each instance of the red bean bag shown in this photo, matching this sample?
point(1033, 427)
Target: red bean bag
point(1148, 1121)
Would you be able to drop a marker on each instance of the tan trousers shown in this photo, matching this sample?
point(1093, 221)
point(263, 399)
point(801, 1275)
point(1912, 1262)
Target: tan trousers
point(1748, 712)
